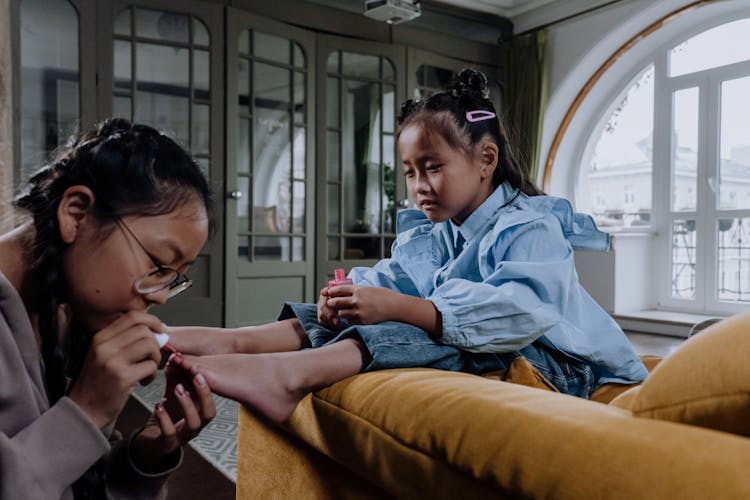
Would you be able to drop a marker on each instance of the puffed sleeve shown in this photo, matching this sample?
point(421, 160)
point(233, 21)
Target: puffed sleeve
point(411, 247)
point(528, 273)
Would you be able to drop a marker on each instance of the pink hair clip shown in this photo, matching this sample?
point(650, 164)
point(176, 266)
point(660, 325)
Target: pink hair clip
point(479, 115)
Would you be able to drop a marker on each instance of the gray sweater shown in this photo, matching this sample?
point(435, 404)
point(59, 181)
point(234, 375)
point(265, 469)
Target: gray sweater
point(43, 449)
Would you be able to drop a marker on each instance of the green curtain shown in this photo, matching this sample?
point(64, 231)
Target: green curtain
point(524, 80)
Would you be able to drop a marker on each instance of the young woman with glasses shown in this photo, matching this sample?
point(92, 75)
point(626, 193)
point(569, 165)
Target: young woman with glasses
point(117, 217)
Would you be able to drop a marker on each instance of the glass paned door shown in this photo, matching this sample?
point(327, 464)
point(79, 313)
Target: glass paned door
point(361, 182)
point(162, 75)
point(358, 168)
point(684, 168)
point(270, 194)
point(709, 209)
point(165, 73)
point(733, 225)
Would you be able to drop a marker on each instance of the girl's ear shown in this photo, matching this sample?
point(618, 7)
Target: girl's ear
point(488, 158)
point(76, 204)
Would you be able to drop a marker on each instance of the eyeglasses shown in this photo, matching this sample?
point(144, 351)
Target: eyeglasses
point(160, 278)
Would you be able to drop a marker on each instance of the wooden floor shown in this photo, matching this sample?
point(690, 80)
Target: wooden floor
point(196, 479)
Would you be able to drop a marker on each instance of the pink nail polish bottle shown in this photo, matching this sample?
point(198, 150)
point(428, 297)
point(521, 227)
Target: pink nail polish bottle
point(339, 278)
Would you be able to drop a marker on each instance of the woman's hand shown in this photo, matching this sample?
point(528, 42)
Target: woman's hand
point(327, 316)
point(186, 409)
point(121, 355)
point(364, 305)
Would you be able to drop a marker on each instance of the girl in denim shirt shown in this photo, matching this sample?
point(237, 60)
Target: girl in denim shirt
point(481, 273)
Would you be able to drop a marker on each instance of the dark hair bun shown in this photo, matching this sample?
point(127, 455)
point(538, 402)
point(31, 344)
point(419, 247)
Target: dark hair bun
point(114, 126)
point(408, 108)
point(470, 83)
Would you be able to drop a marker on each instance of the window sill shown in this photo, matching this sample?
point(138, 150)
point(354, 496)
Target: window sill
point(671, 323)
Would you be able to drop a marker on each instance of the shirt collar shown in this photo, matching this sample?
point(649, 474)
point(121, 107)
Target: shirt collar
point(474, 223)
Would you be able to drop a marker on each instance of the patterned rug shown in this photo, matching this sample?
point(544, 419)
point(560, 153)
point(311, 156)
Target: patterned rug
point(217, 443)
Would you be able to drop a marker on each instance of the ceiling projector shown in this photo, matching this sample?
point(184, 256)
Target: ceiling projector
point(392, 11)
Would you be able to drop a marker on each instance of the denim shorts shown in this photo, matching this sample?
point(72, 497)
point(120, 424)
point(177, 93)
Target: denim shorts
point(399, 345)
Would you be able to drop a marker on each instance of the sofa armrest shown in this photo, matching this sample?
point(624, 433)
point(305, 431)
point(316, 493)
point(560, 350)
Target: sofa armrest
point(429, 433)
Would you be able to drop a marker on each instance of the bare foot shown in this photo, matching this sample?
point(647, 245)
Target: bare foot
point(279, 336)
point(202, 341)
point(260, 381)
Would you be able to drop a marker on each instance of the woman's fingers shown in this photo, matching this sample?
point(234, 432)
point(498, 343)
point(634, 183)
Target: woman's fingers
point(168, 429)
point(142, 371)
point(193, 423)
point(126, 322)
point(206, 405)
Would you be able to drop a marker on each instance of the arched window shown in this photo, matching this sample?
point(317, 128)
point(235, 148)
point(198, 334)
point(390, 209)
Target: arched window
point(671, 153)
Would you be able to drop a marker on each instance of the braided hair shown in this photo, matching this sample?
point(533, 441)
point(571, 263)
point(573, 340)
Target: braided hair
point(132, 170)
point(445, 114)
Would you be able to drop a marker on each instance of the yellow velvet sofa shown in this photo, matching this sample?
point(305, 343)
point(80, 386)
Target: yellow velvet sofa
point(422, 433)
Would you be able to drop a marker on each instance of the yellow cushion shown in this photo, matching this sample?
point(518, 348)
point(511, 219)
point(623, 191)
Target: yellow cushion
point(705, 382)
point(421, 432)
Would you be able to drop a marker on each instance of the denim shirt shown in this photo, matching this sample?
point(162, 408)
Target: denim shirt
point(513, 283)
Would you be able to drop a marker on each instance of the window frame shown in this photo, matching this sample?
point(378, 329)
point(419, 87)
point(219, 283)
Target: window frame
point(706, 213)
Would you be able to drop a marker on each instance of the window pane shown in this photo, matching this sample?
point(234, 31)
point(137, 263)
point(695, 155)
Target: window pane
point(332, 101)
point(271, 87)
point(333, 249)
point(299, 56)
point(243, 85)
point(123, 65)
point(243, 42)
point(243, 146)
point(361, 248)
point(360, 65)
point(271, 248)
point(361, 157)
point(299, 152)
point(734, 172)
point(334, 208)
point(713, 48)
point(272, 165)
point(122, 107)
point(298, 202)
point(619, 176)
point(201, 74)
point(160, 25)
point(433, 77)
point(163, 76)
point(271, 47)
point(685, 149)
point(332, 153)
point(733, 281)
point(243, 185)
point(389, 108)
point(389, 71)
point(49, 75)
point(200, 33)
point(122, 23)
point(299, 97)
point(298, 249)
point(201, 130)
point(683, 259)
point(332, 65)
